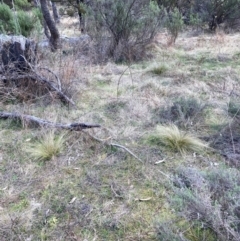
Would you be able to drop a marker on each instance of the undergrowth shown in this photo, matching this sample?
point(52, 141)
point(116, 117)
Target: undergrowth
point(80, 186)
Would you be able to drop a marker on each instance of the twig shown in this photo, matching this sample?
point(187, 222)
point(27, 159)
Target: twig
point(120, 79)
point(42, 122)
point(116, 145)
point(127, 150)
point(58, 80)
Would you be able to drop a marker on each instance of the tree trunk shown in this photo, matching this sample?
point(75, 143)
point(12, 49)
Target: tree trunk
point(46, 30)
point(55, 36)
point(55, 12)
point(81, 13)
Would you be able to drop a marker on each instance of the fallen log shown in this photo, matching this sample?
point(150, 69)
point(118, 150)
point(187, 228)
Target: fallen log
point(41, 80)
point(29, 119)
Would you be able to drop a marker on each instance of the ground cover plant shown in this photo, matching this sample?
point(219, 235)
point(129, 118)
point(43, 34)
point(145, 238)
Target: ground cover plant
point(163, 166)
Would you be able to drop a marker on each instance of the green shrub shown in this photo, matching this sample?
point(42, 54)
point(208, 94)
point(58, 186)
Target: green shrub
point(22, 4)
point(19, 23)
point(122, 29)
point(6, 19)
point(174, 24)
point(37, 14)
point(26, 22)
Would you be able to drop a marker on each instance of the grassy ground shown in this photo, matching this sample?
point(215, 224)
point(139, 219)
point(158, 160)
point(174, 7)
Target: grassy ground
point(91, 190)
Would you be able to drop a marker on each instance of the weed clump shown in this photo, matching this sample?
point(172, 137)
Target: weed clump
point(183, 112)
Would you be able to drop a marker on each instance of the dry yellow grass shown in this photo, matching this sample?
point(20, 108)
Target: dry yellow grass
point(49, 146)
point(180, 141)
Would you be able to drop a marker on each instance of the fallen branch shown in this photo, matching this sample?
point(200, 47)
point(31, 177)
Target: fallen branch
point(41, 122)
point(41, 80)
point(126, 149)
point(58, 80)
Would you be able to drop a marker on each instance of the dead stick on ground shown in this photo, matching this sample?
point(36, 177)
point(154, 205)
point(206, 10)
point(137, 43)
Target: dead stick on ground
point(116, 145)
point(58, 80)
point(41, 122)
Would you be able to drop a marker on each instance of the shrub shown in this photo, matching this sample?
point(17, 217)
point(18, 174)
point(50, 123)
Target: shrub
point(234, 108)
point(123, 28)
point(209, 202)
point(6, 19)
point(174, 24)
point(22, 4)
point(184, 111)
point(167, 231)
point(21, 23)
point(176, 140)
point(26, 22)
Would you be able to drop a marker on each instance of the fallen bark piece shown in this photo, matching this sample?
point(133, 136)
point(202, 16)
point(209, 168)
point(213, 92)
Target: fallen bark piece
point(41, 122)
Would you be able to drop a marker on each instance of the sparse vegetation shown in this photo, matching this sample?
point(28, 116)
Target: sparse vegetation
point(175, 114)
point(174, 24)
point(207, 202)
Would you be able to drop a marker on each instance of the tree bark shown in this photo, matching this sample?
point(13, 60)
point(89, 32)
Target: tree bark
point(55, 36)
point(55, 12)
point(81, 14)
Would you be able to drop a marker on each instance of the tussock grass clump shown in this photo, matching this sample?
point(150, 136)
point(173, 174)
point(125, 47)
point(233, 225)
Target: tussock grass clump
point(159, 70)
point(49, 146)
point(176, 140)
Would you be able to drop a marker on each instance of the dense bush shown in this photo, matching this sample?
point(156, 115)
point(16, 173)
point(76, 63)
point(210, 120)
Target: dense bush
point(210, 12)
point(20, 23)
point(123, 28)
point(6, 19)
